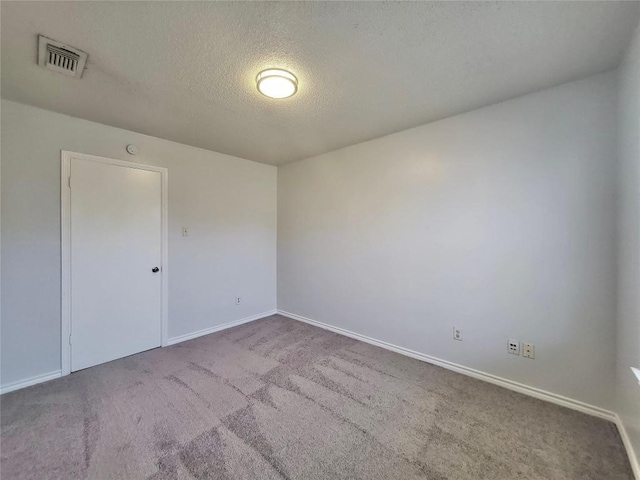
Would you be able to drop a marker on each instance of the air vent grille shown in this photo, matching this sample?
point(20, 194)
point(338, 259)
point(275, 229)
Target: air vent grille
point(60, 57)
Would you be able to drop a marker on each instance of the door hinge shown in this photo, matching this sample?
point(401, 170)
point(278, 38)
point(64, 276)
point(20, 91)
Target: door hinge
point(69, 339)
point(69, 181)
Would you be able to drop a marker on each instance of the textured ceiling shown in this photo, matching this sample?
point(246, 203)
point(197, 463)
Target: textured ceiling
point(185, 71)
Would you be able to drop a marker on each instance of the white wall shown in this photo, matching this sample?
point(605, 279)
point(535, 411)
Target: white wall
point(629, 243)
point(228, 203)
point(500, 221)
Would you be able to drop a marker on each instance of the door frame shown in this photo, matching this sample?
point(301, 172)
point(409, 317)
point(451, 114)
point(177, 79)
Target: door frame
point(65, 222)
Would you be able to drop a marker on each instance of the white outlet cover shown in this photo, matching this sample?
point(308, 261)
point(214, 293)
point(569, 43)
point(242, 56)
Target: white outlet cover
point(528, 350)
point(513, 347)
point(457, 334)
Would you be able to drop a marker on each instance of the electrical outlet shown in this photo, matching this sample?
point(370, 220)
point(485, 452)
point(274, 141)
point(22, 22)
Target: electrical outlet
point(528, 350)
point(457, 334)
point(513, 347)
point(238, 300)
point(185, 231)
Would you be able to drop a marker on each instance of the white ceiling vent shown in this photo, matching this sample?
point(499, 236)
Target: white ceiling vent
point(60, 58)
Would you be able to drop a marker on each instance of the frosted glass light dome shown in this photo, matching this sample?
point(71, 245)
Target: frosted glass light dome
point(276, 83)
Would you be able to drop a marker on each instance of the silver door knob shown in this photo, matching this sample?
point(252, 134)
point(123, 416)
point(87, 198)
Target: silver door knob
point(155, 269)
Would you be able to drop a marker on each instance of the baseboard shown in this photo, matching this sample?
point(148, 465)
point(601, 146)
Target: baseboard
point(487, 377)
point(494, 379)
point(30, 381)
point(633, 459)
point(217, 328)
point(172, 341)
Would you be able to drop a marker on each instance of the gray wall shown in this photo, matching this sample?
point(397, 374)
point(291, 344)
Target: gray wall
point(499, 221)
point(228, 203)
point(629, 243)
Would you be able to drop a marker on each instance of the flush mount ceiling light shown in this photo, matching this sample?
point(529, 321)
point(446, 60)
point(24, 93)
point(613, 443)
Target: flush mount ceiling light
point(276, 83)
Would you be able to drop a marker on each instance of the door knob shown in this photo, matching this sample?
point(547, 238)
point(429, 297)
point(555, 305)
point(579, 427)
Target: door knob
point(155, 269)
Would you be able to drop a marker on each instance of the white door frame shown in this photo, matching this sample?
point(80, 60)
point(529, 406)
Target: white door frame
point(65, 209)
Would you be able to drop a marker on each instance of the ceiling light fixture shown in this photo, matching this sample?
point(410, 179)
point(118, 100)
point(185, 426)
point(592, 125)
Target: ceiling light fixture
point(276, 83)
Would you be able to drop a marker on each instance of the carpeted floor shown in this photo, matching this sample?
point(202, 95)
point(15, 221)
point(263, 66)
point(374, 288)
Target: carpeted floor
point(281, 399)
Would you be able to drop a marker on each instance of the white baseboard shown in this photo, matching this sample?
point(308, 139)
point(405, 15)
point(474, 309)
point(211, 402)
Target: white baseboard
point(633, 459)
point(182, 338)
point(487, 377)
point(494, 379)
point(217, 328)
point(30, 381)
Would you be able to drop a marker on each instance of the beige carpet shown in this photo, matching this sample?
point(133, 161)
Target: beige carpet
point(279, 399)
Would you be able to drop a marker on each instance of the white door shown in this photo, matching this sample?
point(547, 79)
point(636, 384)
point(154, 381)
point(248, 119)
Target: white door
point(115, 261)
